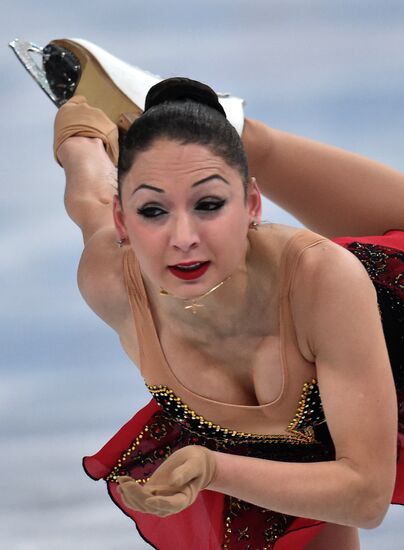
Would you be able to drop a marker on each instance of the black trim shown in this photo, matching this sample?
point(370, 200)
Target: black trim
point(86, 471)
point(126, 514)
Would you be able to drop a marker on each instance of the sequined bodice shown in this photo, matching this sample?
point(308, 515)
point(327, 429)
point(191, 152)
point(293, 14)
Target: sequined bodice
point(300, 429)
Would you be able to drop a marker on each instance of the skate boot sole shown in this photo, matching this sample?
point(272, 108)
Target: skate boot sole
point(98, 86)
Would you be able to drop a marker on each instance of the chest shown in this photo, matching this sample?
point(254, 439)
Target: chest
point(234, 370)
point(252, 386)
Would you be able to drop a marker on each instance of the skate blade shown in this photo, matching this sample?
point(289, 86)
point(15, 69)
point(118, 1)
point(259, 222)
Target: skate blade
point(24, 50)
point(65, 89)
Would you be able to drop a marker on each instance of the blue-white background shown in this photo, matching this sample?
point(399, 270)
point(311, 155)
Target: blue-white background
point(330, 70)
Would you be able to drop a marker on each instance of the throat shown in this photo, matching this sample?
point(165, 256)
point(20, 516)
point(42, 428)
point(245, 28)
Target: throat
point(215, 323)
point(216, 309)
point(195, 303)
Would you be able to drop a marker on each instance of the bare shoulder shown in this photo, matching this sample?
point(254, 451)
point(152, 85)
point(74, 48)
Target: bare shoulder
point(328, 277)
point(100, 279)
point(327, 264)
point(323, 259)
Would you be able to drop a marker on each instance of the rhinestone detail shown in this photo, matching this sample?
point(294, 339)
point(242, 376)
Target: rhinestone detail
point(300, 429)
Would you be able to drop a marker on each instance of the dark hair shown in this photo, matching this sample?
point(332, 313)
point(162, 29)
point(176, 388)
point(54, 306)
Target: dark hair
point(186, 111)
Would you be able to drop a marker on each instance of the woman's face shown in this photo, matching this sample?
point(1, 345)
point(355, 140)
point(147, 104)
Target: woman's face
point(185, 215)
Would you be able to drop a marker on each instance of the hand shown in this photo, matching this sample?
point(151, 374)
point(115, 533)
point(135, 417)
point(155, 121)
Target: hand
point(174, 485)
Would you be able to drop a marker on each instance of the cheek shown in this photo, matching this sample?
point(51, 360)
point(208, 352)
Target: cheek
point(236, 224)
point(146, 243)
point(231, 235)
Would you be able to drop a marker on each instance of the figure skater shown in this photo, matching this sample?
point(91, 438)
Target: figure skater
point(274, 355)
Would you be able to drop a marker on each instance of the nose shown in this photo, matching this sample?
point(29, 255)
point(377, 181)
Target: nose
point(184, 235)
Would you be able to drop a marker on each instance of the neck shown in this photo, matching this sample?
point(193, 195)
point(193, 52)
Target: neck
point(223, 310)
point(193, 304)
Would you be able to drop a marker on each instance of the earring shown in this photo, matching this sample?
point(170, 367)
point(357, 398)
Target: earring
point(254, 225)
point(121, 242)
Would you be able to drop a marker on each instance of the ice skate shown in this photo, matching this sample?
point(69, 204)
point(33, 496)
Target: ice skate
point(78, 67)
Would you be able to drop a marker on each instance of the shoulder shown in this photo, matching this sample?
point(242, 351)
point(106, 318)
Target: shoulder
point(315, 260)
point(330, 288)
point(282, 244)
point(101, 280)
point(325, 266)
point(276, 238)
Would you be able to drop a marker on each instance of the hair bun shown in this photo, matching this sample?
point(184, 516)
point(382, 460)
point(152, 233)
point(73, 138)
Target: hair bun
point(180, 89)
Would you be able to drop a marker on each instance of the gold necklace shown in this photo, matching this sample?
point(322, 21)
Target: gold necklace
point(193, 306)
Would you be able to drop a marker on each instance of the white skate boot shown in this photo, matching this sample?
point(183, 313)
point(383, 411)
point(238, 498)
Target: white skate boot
point(78, 67)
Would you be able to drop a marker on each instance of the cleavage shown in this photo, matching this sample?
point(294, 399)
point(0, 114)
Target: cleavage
point(250, 375)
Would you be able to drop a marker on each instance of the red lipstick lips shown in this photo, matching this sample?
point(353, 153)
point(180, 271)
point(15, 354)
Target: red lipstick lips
point(189, 270)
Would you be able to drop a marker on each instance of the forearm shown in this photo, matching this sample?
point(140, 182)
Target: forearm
point(90, 183)
point(329, 190)
point(327, 491)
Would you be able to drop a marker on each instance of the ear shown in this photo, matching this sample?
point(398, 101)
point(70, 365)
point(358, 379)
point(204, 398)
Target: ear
point(119, 218)
point(254, 200)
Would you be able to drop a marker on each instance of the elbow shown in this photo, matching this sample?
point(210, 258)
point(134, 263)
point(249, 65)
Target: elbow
point(369, 495)
point(371, 510)
point(373, 514)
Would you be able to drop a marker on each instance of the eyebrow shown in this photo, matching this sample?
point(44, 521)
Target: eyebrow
point(199, 182)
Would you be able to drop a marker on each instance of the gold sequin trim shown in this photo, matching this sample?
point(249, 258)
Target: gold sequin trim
point(116, 472)
point(302, 411)
point(183, 414)
point(273, 533)
point(227, 533)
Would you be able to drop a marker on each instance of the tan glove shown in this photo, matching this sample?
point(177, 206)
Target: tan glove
point(77, 118)
point(174, 485)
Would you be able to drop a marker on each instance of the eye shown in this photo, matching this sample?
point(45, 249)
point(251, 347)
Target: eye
point(210, 205)
point(151, 211)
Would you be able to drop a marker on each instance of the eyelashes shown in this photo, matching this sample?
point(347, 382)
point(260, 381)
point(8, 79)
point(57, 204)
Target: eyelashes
point(203, 206)
point(210, 205)
point(151, 212)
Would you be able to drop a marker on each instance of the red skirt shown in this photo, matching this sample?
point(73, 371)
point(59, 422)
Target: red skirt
point(215, 521)
point(205, 524)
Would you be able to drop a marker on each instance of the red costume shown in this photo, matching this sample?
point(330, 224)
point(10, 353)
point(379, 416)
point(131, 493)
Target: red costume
point(166, 424)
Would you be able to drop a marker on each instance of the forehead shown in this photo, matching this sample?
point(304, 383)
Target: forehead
point(167, 159)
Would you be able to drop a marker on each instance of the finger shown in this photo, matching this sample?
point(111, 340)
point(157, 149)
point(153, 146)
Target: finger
point(168, 504)
point(133, 495)
point(133, 504)
point(134, 489)
point(161, 490)
point(124, 479)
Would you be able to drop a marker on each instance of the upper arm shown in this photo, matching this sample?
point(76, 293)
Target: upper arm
point(100, 279)
point(345, 334)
